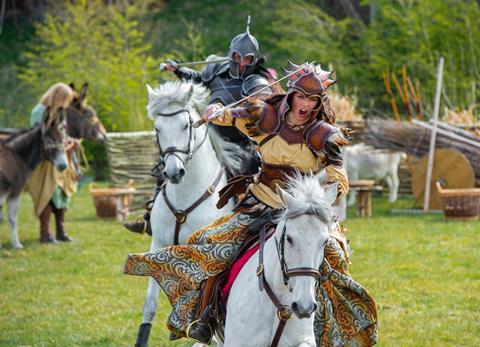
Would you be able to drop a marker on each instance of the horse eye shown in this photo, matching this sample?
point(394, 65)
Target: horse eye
point(289, 240)
point(186, 126)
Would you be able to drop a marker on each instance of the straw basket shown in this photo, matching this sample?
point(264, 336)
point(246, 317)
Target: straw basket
point(113, 202)
point(460, 204)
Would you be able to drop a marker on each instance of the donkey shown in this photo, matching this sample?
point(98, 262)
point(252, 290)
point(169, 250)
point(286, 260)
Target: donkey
point(20, 154)
point(82, 119)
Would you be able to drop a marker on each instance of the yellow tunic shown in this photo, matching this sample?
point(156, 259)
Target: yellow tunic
point(278, 151)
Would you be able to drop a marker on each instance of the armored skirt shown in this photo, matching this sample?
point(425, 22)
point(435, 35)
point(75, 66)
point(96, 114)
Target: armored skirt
point(346, 314)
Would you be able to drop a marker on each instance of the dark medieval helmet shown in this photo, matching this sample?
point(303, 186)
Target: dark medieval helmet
point(245, 45)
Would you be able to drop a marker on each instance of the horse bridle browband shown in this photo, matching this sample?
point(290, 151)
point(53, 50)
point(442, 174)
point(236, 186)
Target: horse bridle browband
point(284, 312)
point(191, 139)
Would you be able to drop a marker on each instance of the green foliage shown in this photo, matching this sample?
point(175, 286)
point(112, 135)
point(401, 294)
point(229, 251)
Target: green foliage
point(422, 272)
point(102, 45)
point(16, 99)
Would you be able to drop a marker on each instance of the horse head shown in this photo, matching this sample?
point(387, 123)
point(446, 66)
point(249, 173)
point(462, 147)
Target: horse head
point(82, 119)
point(53, 134)
point(174, 107)
point(304, 231)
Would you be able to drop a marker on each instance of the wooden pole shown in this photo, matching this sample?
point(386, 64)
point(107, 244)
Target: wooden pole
point(431, 151)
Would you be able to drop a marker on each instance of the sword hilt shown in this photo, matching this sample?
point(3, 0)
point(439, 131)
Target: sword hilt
point(199, 122)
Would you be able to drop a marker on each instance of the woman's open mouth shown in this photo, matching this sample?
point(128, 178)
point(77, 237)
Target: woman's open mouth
point(303, 112)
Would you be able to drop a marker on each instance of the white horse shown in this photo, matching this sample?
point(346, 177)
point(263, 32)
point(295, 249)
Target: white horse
point(301, 234)
point(365, 162)
point(194, 161)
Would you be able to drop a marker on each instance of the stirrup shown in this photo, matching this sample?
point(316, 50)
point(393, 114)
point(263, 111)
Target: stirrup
point(209, 328)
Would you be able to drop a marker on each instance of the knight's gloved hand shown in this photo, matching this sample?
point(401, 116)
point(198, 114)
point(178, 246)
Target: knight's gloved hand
point(333, 154)
point(170, 65)
point(210, 110)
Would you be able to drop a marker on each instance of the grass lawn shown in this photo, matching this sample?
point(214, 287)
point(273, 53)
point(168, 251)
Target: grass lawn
point(422, 271)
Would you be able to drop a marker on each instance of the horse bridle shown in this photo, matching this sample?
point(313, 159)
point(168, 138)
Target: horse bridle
point(191, 149)
point(284, 312)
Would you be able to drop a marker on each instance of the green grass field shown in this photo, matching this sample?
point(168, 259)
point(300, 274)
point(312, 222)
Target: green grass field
point(422, 271)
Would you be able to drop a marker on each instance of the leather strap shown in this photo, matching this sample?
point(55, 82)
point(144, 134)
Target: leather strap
point(284, 312)
point(181, 215)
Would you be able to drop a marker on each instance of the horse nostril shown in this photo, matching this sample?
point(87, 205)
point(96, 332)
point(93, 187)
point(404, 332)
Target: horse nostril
point(165, 174)
point(181, 172)
point(315, 307)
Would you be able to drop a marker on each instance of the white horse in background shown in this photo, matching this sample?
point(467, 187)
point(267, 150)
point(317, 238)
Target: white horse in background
point(301, 233)
point(366, 162)
point(194, 160)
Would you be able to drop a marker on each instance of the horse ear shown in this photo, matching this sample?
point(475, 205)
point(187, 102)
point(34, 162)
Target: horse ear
point(331, 193)
point(151, 92)
point(287, 198)
point(72, 85)
point(189, 94)
point(322, 177)
point(83, 93)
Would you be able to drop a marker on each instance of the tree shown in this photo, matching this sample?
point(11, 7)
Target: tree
point(100, 44)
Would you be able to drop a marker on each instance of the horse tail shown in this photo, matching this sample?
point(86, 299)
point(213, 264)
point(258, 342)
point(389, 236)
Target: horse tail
point(235, 158)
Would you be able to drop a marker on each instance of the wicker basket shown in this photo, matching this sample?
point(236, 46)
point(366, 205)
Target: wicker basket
point(112, 202)
point(460, 204)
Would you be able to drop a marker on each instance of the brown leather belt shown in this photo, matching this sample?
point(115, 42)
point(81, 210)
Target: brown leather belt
point(273, 174)
point(270, 174)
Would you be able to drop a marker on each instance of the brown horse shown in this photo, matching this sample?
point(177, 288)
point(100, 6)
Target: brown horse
point(20, 154)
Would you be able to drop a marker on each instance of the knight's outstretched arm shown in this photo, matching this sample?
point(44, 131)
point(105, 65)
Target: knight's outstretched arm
point(188, 74)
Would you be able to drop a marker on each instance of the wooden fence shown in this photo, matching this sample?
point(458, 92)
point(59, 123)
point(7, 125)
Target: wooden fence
point(131, 155)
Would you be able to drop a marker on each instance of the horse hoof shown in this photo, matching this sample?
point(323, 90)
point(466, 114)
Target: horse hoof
point(17, 246)
point(143, 334)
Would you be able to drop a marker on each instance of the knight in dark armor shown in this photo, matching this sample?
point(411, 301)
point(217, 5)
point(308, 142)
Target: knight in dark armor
point(240, 75)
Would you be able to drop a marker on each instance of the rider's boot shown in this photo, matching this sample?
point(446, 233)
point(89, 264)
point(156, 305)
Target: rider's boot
point(201, 330)
point(141, 224)
point(61, 235)
point(45, 236)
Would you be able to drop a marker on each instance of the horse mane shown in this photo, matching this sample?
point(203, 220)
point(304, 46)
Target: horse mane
point(14, 136)
point(178, 92)
point(231, 155)
point(309, 196)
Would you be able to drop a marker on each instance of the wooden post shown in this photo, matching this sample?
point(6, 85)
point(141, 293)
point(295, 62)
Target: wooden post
point(431, 150)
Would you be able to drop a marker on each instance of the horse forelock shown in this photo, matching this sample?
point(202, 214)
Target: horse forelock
point(309, 197)
point(177, 92)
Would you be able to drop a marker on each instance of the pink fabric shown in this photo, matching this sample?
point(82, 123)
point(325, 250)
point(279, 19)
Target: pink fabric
point(235, 270)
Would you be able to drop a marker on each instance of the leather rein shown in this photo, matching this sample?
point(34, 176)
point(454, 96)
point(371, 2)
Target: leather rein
point(284, 312)
point(181, 215)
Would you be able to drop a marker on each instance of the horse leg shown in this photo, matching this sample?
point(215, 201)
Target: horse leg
point(148, 314)
point(352, 195)
point(393, 183)
point(13, 205)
